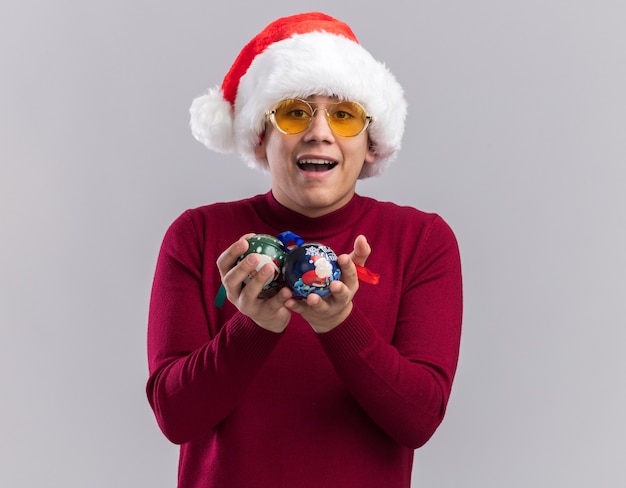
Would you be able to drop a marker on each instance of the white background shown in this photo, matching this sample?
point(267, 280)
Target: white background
point(516, 136)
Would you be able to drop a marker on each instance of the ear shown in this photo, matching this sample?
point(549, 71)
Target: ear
point(370, 155)
point(259, 149)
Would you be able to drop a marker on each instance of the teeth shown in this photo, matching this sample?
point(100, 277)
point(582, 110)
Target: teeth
point(315, 161)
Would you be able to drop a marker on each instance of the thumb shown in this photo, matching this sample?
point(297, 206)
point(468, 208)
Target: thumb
point(361, 251)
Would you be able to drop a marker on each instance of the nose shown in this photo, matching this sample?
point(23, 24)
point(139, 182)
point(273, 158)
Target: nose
point(319, 130)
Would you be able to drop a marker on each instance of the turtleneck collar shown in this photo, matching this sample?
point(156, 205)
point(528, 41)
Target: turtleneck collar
point(283, 219)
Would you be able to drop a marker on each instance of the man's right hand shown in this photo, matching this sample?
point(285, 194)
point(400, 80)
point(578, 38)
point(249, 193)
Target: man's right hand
point(269, 313)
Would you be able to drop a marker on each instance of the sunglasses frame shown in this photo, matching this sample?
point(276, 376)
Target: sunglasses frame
point(271, 114)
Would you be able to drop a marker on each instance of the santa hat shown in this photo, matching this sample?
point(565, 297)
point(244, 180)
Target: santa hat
point(297, 57)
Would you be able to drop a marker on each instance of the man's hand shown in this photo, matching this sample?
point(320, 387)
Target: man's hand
point(324, 314)
point(269, 313)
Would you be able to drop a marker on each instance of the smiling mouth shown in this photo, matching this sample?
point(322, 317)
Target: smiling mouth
point(316, 164)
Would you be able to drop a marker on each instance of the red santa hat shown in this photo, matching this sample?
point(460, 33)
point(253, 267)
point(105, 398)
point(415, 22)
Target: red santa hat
point(297, 57)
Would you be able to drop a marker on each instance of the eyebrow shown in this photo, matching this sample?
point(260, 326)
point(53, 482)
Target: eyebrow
point(332, 98)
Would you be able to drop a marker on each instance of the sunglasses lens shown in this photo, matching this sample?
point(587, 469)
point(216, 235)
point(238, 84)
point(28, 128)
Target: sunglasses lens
point(293, 116)
point(347, 118)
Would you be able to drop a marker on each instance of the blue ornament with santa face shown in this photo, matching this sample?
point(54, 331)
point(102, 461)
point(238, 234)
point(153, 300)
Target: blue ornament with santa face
point(310, 268)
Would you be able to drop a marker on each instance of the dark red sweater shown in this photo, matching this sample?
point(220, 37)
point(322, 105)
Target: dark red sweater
point(252, 408)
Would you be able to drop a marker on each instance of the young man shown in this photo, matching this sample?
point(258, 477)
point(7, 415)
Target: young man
point(281, 391)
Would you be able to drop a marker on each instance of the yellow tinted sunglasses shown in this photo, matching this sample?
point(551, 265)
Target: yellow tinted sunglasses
point(294, 115)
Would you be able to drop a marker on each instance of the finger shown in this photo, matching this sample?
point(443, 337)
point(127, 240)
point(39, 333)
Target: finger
point(361, 251)
point(262, 276)
point(315, 301)
point(338, 297)
point(348, 270)
point(282, 295)
point(227, 259)
point(248, 270)
point(339, 290)
point(341, 294)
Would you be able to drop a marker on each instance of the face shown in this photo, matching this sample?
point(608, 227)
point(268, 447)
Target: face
point(314, 172)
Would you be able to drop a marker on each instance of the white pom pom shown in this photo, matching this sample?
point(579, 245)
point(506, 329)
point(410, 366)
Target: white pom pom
point(211, 121)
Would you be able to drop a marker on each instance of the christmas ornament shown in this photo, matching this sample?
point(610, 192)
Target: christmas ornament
point(271, 252)
point(310, 268)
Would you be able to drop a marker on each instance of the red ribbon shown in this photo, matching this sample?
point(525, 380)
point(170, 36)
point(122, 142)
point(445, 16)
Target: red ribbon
point(366, 275)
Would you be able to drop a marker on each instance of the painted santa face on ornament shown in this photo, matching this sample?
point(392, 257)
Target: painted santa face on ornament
point(311, 268)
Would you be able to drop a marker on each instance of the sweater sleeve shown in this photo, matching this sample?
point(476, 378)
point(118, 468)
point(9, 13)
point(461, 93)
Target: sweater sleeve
point(404, 386)
point(196, 376)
